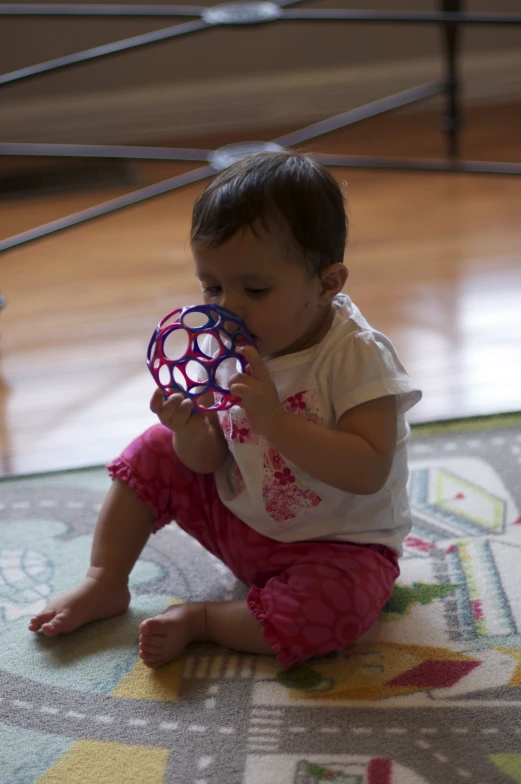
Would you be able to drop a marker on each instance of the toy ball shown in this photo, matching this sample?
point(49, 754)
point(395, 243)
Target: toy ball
point(194, 350)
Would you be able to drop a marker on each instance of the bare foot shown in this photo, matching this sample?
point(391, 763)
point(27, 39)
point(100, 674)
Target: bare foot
point(163, 637)
point(91, 600)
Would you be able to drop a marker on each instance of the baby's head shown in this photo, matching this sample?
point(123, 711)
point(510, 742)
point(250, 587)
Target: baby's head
point(268, 238)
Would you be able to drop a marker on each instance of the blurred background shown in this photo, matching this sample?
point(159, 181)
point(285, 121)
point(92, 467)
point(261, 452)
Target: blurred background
point(434, 258)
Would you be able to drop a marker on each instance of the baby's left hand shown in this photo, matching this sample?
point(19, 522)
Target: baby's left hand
point(257, 392)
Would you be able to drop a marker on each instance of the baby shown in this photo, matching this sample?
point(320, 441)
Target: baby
point(301, 489)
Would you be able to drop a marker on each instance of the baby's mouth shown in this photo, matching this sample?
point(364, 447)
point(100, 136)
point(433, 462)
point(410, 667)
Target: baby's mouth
point(241, 340)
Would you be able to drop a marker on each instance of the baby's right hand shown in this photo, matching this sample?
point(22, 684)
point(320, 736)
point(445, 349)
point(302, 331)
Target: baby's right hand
point(178, 414)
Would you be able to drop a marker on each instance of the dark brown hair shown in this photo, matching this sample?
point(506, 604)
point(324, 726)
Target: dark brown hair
point(284, 187)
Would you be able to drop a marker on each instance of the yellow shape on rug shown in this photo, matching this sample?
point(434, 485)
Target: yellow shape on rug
point(102, 762)
point(515, 654)
point(378, 670)
point(509, 764)
point(142, 683)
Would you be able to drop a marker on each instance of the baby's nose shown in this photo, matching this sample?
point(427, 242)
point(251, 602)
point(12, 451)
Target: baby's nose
point(231, 304)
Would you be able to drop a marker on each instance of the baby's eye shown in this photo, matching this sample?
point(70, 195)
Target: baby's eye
point(256, 292)
point(211, 289)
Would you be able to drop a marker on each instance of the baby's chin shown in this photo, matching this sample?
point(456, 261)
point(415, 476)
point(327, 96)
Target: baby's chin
point(265, 350)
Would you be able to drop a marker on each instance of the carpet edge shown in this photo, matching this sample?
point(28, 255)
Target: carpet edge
point(418, 430)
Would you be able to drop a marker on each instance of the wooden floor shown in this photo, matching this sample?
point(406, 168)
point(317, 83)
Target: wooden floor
point(434, 262)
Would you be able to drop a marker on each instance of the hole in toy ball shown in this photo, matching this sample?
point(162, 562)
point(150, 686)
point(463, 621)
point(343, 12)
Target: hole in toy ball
point(208, 345)
point(165, 378)
point(195, 371)
point(179, 378)
point(176, 343)
point(226, 369)
point(215, 404)
point(231, 326)
point(197, 390)
point(196, 319)
point(170, 319)
point(226, 339)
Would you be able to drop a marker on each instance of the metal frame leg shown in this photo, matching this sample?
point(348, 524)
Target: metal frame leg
point(452, 120)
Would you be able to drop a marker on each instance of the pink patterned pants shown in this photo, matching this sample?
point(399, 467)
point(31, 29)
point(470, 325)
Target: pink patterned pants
point(310, 597)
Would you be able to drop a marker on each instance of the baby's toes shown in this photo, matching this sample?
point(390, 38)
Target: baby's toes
point(151, 659)
point(36, 622)
point(153, 626)
point(148, 646)
point(57, 625)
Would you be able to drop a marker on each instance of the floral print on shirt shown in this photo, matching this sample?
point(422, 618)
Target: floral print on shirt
point(284, 494)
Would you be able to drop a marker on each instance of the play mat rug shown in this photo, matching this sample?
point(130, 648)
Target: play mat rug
point(430, 695)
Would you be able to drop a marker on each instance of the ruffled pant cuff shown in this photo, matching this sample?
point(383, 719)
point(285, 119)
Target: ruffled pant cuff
point(118, 469)
point(284, 655)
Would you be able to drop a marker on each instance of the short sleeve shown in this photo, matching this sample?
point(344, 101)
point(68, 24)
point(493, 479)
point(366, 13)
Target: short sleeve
point(365, 367)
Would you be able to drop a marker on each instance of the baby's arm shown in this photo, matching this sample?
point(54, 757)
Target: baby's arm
point(198, 439)
point(206, 453)
point(356, 458)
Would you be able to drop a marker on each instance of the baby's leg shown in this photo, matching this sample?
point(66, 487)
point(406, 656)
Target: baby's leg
point(323, 598)
point(307, 599)
point(123, 527)
point(229, 623)
point(151, 487)
point(324, 601)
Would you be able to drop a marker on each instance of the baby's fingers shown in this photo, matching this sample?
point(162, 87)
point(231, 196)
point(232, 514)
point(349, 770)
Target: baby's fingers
point(158, 404)
point(156, 401)
point(240, 390)
point(176, 411)
point(187, 407)
point(173, 403)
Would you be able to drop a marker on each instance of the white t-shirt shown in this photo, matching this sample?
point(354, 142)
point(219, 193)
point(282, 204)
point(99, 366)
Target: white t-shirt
point(351, 365)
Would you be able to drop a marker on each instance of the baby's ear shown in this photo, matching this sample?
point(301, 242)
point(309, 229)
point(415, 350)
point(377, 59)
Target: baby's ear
point(333, 281)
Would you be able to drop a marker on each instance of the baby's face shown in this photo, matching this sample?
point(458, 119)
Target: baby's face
point(253, 276)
